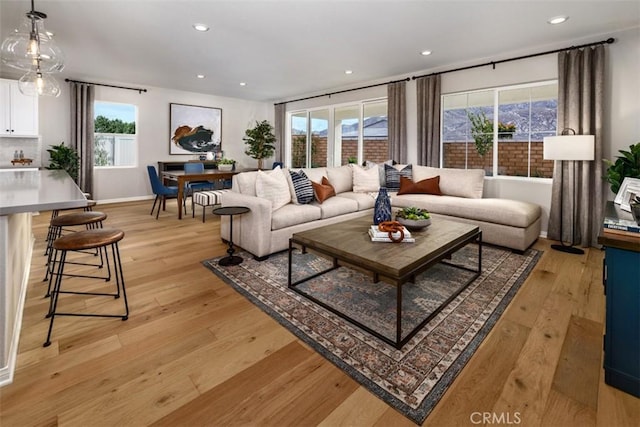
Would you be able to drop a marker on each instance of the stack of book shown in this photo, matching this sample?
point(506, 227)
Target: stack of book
point(383, 236)
point(619, 222)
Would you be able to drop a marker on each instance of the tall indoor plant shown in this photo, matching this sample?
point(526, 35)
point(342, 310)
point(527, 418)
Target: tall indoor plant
point(65, 158)
point(261, 142)
point(626, 165)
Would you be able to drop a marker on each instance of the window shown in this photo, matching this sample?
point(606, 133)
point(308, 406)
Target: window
point(115, 142)
point(339, 134)
point(508, 146)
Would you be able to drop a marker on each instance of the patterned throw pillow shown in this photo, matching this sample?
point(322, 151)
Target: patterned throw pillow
point(392, 176)
point(426, 186)
point(302, 187)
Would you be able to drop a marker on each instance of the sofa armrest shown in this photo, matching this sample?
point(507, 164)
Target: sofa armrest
point(251, 231)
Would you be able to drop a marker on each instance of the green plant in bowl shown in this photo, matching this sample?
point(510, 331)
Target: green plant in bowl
point(413, 218)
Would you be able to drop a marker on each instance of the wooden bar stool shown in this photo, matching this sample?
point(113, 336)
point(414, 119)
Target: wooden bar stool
point(55, 213)
point(89, 219)
point(100, 238)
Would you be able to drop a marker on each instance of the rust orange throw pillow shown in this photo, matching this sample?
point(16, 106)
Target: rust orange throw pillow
point(323, 191)
point(426, 186)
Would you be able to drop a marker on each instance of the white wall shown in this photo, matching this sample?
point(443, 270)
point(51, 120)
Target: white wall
point(622, 105)
point(153, 133)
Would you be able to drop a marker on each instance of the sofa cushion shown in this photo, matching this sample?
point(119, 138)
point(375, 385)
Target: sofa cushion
point(315, 174)
point(302, 188)
point(337, 206)
point(426, 186)
point(323, 190)
point(246, 183)
point(365, 180)
point(291, 214)
point(274, 187)
point(341, 178)
point(364, 200)
point(393, 174)
point(454, 182)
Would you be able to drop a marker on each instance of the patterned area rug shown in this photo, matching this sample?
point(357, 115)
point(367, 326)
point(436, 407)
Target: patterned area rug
point(413, 379)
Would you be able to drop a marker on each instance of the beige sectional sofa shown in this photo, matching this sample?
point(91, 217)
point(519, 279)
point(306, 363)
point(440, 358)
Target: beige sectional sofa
point(263, 231)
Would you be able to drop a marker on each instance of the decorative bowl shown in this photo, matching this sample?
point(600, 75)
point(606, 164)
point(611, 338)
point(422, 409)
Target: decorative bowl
point(225, 166)
point(414, 224)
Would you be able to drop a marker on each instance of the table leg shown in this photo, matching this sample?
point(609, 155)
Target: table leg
point(180, 196)
point(230, 259)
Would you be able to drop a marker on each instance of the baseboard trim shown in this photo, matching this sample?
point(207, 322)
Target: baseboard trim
point(125, 199)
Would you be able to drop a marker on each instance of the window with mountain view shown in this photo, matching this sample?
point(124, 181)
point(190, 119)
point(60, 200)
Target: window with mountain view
point(500, 130)
point(337, 135)
point(115, 140)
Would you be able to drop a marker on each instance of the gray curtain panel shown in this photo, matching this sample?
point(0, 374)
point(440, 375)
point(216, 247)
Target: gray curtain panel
point(82, 129)
point(428, 92)
point(580, 104)
point(280, 119)
point(397, 120)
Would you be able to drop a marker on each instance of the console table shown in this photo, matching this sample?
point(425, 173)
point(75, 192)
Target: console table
point(621, 279)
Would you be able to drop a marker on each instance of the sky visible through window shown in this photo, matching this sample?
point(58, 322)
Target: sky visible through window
point(124, 112)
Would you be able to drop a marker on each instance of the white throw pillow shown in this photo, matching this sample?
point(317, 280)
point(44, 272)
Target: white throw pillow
point(274, 187)
point(365, 180)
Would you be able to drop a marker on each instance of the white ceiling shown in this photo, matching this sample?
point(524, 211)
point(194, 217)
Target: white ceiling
point(283, 49)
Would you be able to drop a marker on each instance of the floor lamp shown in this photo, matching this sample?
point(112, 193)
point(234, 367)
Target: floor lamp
point(568, 147)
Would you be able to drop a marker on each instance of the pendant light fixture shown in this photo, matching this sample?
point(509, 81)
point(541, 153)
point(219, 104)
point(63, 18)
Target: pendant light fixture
point(31, 48)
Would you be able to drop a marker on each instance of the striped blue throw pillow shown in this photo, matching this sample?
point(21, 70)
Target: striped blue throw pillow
point(392, 176)
point(302, 187)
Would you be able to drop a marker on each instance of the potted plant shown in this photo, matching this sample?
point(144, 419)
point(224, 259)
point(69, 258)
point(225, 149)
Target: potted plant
point(225, 164)
point(65, 158)
point(413, 218)
point(261, 141)
point(626, 165)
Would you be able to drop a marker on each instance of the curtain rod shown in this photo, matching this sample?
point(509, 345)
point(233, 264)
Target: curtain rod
point(343, 91)
point(101, 84)
point(533, 55)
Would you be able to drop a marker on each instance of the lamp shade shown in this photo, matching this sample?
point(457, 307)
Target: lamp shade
point(569, 147)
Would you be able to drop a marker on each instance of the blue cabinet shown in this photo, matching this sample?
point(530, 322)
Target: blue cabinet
point(622, 332)
point(622, 294)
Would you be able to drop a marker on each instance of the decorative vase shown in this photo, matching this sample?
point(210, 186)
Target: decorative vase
point(382, 208)
point(210, 155)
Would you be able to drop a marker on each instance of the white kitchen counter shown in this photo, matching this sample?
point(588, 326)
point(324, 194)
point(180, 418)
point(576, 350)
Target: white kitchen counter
point(23, 192)
point(33, 190)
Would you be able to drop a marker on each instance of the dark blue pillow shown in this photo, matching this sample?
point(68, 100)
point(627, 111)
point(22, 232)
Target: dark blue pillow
point(302, 187)
point(392, 176)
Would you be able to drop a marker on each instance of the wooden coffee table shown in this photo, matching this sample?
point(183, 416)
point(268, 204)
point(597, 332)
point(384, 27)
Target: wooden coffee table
point(348, 242)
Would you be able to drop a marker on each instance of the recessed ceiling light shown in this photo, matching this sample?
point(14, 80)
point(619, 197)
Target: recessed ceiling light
point(243, 84)
point(200, 76)
point(348, 71)
point(557, 20)
point(425, 53)
point(201, 27)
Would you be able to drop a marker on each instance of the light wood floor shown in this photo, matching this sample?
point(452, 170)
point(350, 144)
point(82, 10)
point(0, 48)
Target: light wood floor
point(194, 352)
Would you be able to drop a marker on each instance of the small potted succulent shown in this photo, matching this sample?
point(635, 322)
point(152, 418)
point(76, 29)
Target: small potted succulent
point(226, 164)
point(413, 218)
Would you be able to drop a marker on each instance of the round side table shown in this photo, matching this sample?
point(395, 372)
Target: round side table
point(231, 211)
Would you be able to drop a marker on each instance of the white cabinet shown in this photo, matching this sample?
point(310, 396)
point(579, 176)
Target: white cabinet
point(19, 113)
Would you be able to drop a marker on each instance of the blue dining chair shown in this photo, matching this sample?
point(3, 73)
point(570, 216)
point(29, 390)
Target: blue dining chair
point(193, 186)
point(160, 190)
